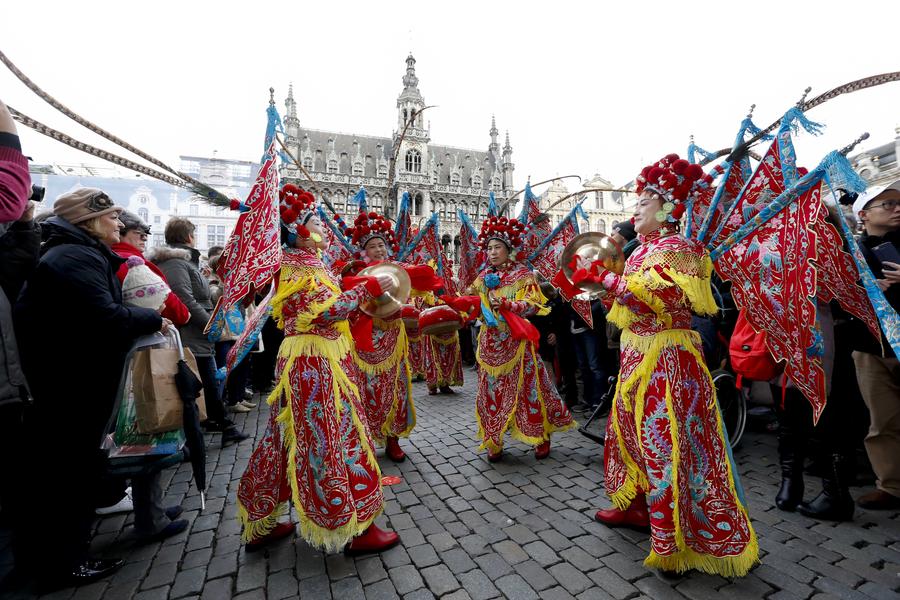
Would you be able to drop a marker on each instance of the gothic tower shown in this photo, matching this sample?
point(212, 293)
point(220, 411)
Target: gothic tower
point(507, 166)
point(412, 154)
point(291, 129)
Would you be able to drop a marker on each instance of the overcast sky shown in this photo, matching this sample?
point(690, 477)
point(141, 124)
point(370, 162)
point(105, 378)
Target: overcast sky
point(583, 88)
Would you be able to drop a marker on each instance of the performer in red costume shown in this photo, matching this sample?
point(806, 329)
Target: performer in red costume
point(514, 390)
point(387, 394)
point(316, 451)
point(668, 462)
point(441, 358)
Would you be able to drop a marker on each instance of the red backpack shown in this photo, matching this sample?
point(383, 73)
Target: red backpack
point(750, 358)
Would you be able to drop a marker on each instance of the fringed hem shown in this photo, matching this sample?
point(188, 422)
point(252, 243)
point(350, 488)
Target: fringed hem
point(334, 540)
point(330, 540)
point(726, 566)
point(252, 530)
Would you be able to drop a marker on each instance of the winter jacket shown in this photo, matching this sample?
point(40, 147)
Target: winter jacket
point(15, 182)
point(181, 267)
point(174, 309)
point(20, 245)
point(74, 335)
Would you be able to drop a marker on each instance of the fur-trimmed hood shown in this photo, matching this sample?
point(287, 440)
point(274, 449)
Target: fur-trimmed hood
point(164, 253)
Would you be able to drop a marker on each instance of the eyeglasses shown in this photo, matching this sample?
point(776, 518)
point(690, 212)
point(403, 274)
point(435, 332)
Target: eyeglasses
point(887, 205)
point(99, 201)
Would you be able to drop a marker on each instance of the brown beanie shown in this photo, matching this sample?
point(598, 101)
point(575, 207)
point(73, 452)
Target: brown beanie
point(84, 204)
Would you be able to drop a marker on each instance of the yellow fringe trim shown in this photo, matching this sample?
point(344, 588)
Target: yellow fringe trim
point(316, 345)
point(511, 426)
point(726, 566)
point(505, 368)
point(401, 350)
point(690, 273)
point(392, 414)
point(635, 477)
point(685, 558)
point(254, 530)
point(330, 540)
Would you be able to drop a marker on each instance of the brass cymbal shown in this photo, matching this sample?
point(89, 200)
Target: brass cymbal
point(590, 247)
point(387, 304)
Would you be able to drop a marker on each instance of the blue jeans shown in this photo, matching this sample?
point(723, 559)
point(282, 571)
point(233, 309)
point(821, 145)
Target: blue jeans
point(593, 377)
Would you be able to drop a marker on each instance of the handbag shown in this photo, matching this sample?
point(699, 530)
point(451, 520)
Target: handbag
point(158, 405)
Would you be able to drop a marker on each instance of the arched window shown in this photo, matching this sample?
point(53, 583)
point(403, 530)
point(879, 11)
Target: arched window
point(413, 161)
point(613, 226)
point(454, 178)
point(332, 166)
point(382, 170)
point(376, 202)
point(451, 211)
point(417, 205)
point(601, 226)
point(144, 214)
point(442, 213)
point(307, 163)
point(357, 168)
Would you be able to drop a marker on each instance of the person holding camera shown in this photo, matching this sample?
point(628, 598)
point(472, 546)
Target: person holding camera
point(878, 209)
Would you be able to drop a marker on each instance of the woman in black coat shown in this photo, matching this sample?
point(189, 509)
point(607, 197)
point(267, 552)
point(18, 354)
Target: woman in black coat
point(74, 335)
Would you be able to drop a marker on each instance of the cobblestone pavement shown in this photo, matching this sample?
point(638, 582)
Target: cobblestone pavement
point(519, 529)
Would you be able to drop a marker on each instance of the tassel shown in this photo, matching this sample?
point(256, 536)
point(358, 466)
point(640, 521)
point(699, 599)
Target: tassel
point(794, 118)
point(841, 172)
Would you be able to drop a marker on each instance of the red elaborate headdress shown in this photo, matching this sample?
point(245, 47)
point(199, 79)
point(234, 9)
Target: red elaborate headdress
point(368, 225)
point(296, 206)
point(676, 181)
point(507, 230)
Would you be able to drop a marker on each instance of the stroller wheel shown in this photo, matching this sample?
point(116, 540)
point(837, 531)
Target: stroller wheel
point(732, 405)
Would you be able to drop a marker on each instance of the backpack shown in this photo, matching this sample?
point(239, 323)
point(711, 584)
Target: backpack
point(750, 358)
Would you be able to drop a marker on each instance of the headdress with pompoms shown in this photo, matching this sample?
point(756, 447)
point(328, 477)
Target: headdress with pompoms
point(369, 225)
point(676, 181)
point(296, 206)
point(507, 230)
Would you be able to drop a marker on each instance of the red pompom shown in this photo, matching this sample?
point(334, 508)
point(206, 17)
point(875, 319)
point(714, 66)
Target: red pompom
point(396, 248)
point(680, 166)
point(234, 204)
point(670, 157)
point(307, 198)
point(693, 172)
point(303, 231)
point(350, 231)
point(653, 176)
point(678, 211)
point(289, 216)
point(373, 215)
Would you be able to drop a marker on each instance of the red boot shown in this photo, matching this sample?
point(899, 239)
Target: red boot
point(394, 451)
point(634, 517)
point(372, 539)
point(495, 456)
point(542, 450)
point(282, 530)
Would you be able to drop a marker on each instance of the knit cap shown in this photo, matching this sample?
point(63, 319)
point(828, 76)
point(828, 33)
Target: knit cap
point(142, 287)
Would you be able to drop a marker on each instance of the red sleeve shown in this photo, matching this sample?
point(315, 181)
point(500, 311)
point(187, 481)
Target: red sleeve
point(175, 310)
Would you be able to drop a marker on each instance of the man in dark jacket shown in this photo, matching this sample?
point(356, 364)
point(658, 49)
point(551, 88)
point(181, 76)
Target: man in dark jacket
point(180, 263)
point(879, 376)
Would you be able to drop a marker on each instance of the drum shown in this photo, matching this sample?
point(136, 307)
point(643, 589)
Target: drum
point(410, 316)
point(439, 319)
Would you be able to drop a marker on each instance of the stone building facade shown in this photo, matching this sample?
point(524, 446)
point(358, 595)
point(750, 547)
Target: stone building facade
point(439, 178)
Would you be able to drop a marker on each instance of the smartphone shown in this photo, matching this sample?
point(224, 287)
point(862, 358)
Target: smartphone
point(887, 252)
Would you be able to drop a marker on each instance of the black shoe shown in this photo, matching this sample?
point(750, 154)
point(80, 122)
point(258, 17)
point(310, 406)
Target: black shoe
point(93, 569)
point(790, 494)
point(173, 512)
point(173, 528)
point(233, 435)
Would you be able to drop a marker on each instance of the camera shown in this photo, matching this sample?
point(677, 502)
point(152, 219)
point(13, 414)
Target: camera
point(37, 193)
